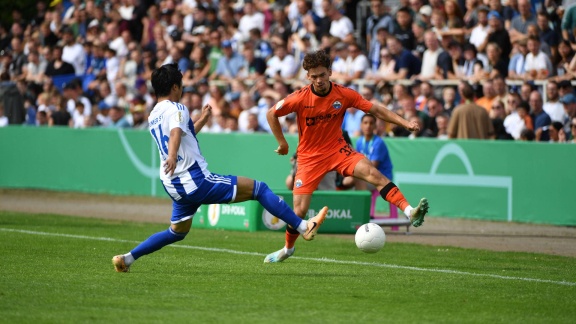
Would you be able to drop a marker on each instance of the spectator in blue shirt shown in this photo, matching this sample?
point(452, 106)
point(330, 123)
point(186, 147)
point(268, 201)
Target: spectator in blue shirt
point(540, 118)
point(407, 64)
point(229, 64)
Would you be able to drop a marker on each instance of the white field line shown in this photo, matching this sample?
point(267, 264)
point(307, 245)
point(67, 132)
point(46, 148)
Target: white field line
point(370, 264)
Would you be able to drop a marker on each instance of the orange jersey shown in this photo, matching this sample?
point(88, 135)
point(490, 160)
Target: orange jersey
point(320, 117)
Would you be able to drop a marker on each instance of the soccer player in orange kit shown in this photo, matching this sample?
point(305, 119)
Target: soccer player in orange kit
point(320, 108)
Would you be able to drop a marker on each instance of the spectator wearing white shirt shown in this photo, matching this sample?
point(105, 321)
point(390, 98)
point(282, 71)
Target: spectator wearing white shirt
point(72, 52)
point(430, 57)
point(251, 19)
point(553, 107)
point(340, 26)
point(282, 65)
point(355, 65)
point(480, 31)
point(537, 62)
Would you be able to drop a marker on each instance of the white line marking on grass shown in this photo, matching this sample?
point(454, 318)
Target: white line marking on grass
point(370, 264)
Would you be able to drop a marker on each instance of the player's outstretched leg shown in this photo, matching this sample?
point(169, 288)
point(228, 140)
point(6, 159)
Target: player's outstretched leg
point(279, 255)
point(417, 214)
point(392, 194)
point(313, 225)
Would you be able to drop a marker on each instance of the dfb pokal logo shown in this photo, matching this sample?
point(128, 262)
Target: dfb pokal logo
point(337, 105)
point(272, 222)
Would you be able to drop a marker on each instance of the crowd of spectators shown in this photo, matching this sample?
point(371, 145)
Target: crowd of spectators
point(88, 63)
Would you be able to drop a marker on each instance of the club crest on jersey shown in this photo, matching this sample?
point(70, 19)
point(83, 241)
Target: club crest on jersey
point(279, 104)
point(337, 105)
point(298, 183)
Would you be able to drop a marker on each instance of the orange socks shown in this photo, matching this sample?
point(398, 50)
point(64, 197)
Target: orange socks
point(291, 236)
point(392, 194)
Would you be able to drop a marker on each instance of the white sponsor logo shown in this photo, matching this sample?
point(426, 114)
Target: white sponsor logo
point(333, 213)
point(233, 210)
point(279, 104)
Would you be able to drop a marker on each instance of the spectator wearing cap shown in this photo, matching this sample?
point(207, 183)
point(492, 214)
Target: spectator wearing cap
point(540, 118)
point(537, 63)
point(424, 13)
point(407, 64)
point(228, 65)
point(569, 102)
point(252, 18)
point(497, 34)
point(519, 24)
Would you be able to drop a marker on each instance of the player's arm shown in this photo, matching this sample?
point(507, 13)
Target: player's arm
point(276, 129)
point(381, 112)
point(173, 146)
point(204, 116)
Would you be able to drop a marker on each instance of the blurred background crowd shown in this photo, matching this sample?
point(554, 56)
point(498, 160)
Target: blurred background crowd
point(88, 63)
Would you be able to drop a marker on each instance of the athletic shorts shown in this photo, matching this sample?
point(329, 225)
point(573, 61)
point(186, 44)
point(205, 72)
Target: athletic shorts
point(215, 189)
point(310, 172)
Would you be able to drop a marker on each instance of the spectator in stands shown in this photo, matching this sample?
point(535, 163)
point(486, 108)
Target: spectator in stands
point(229, 65)
point(537, 63)
point(118, 118)
point(41, 118)
point(468, 119)
point(57, 66)
point(519, 120)
point(419, 29)
point(33, 71)
point(497, 64)
point(563, 61)
point(340, 25)
point(540, 118)
point(251, 19)
point(553, 107)
point(472, 67)
point(557, 135)
point(61, 117)
point(112, 65)
point(403, 28)
point(72, 52)
point(407, 64)
point(280, 25)
point(139, 116)
point(497, 34)
point(573, 131)
point(526, 89)
point(282, 65)
point(569, 102)
point(429, 69)
point(489, 97)
point(517, 65)
point(519, 24)
point(177, 57)
point(262, 48)
point(497, 115)
point(450, 63)
point(379, 21)
point(448, 100)
point(356, 65)
point(527, 135)
point(501, 90)
point(569, 23)
point(479, 32)
point(547, 34)
point(254, 67)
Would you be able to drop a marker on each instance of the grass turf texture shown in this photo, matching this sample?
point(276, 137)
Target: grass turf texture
point(48, 278)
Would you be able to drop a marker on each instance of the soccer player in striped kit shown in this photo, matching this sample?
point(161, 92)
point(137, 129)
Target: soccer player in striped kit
point(185, 176)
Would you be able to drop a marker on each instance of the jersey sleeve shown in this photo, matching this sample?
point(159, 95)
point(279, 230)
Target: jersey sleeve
point(178, 117)
point(357, 101)
point(285, 106)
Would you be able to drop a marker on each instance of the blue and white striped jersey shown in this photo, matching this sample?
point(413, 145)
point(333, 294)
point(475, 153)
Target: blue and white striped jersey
point(191, 168)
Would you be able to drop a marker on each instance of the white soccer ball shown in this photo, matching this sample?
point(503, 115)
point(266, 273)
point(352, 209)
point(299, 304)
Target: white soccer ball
point(370, 238)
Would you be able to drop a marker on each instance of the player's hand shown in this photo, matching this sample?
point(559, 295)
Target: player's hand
point(282, 149)
point(206, 112)
point(413, 126)
point(170, 166)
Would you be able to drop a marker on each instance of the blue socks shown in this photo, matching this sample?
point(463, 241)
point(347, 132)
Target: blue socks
point(156, 242)
point(274, 205)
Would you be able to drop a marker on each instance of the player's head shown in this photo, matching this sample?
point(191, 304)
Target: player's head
point(368, 124)
point(317, 65)
point(166, 79)
point(316, 59)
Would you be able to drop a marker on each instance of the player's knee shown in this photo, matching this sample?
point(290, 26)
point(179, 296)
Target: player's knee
point(259, 188)
point(177, 236)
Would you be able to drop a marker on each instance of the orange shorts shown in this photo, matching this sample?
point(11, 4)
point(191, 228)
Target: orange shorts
point(311, 171)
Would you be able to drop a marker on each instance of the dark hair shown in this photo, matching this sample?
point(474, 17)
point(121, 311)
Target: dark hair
point(467, 90)
point(164, 78)
point(528, 134)
point(557, 125)
point(369, 116)
point(316, 59)
point(524, 105)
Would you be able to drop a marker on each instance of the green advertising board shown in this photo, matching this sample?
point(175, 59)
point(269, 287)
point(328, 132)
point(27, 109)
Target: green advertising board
point(491, 180)
point(347, 211)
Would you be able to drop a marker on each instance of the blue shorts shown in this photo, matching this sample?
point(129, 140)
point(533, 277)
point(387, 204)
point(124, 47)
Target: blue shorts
point(215, 189)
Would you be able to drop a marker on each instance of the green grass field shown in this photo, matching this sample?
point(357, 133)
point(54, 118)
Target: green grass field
point(57, 269)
